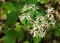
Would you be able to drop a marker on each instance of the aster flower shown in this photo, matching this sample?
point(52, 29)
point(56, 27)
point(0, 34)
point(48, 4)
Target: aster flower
point(24, 8)
point(53, 22)
point(27, 15)
point(30, 6)
point(50, 16)
point(50, 10)
point(24, 15)
point(43, 33)
point(21, 17)
point(33, 7)
point(33, 32)
point(40, 24)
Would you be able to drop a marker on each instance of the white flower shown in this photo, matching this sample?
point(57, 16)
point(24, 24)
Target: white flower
point(30, 6)
point(40, 28)
point(50, 10)
point(33, 7)
point(50, 16)
point(52, 22)
point(37, 19)
point(27, 16)
point(34, 32)
point(24, 8)
point(43, 33)
point(31, 31)
point(21, 17)
point(42, 18)
point(34, 28)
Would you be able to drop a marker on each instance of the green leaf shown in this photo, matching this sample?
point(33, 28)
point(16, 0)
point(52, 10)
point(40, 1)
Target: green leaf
point(6, 29)
point(32, 13)
point(18, 27)
point(9, 37)
point(54, 1)
point(11, 18)
point(57, 28)
point(26, 41)
point(23, 21)
point(9, 6)
point(42, 1)
point(3, 14)
point(57, 25)
point(18, 7)
point(27, 24)
point(40, 14)
point(31, 1)
point(20, 35)
point(37, 39)
point(57, 33)
point(21, 1)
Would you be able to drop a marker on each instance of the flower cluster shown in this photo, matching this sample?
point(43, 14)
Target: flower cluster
point(41, 24)
point(28, 7)
point(24, 15)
